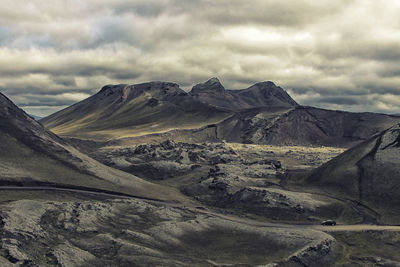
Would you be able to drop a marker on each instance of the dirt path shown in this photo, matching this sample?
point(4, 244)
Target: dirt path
point(355, 228)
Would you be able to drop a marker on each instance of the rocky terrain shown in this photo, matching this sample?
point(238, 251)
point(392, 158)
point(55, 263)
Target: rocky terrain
point(129, 232)
point(59, 207)
point(241, 178)
point(185, 179)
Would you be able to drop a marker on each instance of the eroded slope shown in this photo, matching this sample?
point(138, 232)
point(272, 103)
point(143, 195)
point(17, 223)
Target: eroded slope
point(31, 155)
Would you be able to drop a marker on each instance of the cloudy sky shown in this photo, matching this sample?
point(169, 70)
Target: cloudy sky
point(336, 54)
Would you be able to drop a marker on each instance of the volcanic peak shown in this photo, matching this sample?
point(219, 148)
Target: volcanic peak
point(212, 84)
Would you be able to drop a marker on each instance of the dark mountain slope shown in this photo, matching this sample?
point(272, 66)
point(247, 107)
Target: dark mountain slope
point(368, 173)
point(300, 126)
point(31, 155)
point(305, 126)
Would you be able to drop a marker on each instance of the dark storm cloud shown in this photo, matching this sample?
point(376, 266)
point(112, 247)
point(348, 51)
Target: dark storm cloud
point(329, 92)
point(235, 12)
point(149, 8)
point(64, 80)
point(363, 49)
point(338, 100)
point(389, 71)
point(270, 12)
point(332, 54)
point(36, 91)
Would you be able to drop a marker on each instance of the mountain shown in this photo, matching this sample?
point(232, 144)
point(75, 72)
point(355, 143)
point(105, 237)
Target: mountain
point(263, 94)
point(118, 111)
point(30, 155)
point(261, 114)
point(368, 173)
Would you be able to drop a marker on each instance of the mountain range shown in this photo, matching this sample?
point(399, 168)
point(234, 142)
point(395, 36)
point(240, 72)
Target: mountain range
point(261, 114)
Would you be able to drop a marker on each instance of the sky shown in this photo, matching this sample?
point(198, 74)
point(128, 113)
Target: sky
point(334, 54)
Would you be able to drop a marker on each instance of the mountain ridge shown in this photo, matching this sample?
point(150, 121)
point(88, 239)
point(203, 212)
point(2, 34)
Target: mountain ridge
point(258, 95)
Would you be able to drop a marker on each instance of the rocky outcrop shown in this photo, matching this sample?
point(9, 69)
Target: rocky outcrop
point(321, 253)
point(276, 203)
point(167, 159)
point(254, 189)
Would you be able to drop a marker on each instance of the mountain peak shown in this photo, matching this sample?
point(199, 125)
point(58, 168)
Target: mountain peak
point(212, 84)
point(269, 91)
point(213, 80)
point(9, 110)
point(266, 84)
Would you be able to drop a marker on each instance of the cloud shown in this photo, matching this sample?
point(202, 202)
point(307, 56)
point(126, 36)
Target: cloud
point(341, 54)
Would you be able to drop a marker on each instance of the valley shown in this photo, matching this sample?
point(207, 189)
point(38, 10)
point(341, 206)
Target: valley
point(151, 175)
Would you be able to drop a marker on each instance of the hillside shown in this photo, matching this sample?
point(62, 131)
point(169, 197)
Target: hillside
point(32, 156)
point(368, 173)
point(299, 126)
point(303, 126)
